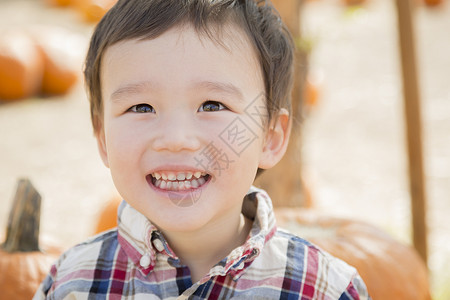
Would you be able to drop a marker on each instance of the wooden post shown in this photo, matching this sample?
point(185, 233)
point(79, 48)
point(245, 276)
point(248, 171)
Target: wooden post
point(413, 125)
point(284, 181)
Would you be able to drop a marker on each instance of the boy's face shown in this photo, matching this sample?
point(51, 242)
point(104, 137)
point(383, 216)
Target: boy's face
point(181, 133)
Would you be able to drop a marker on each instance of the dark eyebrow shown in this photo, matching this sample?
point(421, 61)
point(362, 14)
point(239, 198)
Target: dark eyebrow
point(132, 88)
point(215, 86)
point(221, 87)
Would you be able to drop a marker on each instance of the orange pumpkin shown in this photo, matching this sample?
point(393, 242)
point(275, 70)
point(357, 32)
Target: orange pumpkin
point(433, 2)
point(311, 93)
point(390, 269)
point(353, 2)
point(23, 266)
point(62, 52)
point(60, 2)
point(108, 215)
point(94, 10)
point(21, 66)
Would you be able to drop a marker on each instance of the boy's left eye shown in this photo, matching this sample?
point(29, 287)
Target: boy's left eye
point(211, 106)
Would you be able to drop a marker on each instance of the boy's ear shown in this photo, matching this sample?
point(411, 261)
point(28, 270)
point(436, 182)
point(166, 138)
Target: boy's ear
point(276, 141)
point(101, 144)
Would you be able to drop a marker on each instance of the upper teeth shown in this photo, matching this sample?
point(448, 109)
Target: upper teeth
point(178, 181)
point(172, 176)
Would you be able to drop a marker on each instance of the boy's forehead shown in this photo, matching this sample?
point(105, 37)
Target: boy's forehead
point(228, 42)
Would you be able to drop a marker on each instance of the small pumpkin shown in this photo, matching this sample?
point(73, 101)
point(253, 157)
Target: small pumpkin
point(433, 2)
point(93, 10)
point(311, 93)
point(62, 53)
point(23, 265)
point(390, 269)
point(21, 66)
point(107, 218)
point(353, 2)
point(62, 3)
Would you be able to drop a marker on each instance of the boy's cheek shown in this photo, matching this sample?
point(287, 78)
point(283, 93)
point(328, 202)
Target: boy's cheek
point(241, 135)
point(235, 159)
point(118, 149)
point(101, 146)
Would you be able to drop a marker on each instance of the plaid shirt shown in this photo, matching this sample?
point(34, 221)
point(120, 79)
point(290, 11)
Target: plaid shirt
point(135, 262)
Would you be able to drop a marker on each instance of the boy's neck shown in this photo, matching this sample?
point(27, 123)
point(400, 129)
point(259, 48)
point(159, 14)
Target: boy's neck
point(202, 249)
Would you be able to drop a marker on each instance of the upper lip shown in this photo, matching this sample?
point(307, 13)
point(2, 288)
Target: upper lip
point(177, 169)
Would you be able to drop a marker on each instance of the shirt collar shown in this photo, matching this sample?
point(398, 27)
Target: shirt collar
point(141, 240)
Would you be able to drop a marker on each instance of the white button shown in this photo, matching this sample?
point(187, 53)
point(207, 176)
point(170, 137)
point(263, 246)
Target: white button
point(145, 261)
point(158, 245)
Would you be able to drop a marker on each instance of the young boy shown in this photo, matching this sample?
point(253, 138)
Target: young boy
point(189, 99)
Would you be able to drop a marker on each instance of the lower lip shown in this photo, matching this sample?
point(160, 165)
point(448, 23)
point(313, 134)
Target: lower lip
point(184, 198)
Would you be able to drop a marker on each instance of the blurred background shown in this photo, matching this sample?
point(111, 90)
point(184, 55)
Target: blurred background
point(354, 159)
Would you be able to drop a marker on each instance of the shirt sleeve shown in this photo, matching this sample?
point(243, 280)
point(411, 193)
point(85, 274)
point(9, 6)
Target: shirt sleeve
point(356, 290)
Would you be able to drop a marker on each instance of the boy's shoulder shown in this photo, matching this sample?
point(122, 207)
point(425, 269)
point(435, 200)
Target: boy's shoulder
point(297, 248)
point(305, 268)
point(80, 264)
point(87, 253)
point(94, 246)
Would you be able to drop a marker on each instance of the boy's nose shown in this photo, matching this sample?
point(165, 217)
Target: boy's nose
point(176, 134)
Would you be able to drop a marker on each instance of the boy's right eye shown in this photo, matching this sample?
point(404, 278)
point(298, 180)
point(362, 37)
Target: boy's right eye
point(142, 108)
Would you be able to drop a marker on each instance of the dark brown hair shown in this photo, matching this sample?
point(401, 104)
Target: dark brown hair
point(148, 19)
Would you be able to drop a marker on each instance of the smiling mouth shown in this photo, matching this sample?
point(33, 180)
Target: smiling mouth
point(178, 181)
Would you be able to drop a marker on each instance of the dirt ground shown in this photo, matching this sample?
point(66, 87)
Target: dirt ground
point(353, 139)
